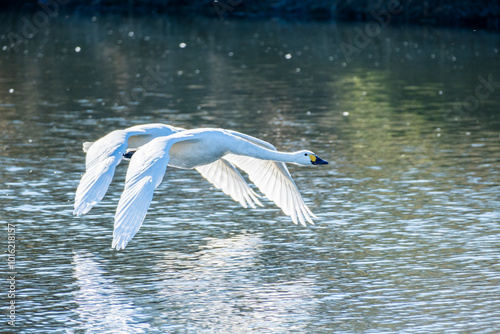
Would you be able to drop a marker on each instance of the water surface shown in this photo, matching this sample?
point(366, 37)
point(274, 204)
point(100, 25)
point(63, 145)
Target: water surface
point(408, 233)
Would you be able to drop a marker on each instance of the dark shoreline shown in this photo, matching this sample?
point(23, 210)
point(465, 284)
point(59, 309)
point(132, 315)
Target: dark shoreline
point(475, 14)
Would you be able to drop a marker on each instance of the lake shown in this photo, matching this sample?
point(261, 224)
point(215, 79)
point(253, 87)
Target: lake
point(407, 238)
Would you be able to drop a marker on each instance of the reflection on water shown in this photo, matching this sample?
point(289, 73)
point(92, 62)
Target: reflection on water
point(101, 305)
point(227, 280)
point(224, 274)
point(408, 235)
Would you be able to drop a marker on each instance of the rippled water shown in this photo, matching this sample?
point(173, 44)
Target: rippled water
point(408, 233)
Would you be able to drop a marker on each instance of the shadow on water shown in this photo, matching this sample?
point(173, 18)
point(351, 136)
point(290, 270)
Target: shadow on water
point(407, 235)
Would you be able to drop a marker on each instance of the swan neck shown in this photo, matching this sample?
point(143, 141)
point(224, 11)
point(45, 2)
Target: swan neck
point(262, 153)
point(277, 156)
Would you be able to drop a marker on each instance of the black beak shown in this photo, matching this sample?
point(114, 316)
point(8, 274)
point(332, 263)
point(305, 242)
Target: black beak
point(129, 154)
point(319, 161)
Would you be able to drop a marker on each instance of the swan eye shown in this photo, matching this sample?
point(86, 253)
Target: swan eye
point(305, 154)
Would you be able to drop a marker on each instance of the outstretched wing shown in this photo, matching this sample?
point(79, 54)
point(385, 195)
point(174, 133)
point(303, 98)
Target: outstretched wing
point(274, 180)
point(102, 158)
point(144, 174)
point(223, 175)
point(105, 154)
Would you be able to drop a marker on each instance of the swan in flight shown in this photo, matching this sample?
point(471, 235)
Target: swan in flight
point(215, 153)
point(105, 154)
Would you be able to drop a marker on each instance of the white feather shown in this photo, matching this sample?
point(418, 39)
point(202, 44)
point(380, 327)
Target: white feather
point(223, 175)
point(105, 154)
point(144, 174)
point(274, 180)
point(101, 160)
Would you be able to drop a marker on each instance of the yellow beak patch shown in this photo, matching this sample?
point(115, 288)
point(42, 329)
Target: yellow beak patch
point(312, 157)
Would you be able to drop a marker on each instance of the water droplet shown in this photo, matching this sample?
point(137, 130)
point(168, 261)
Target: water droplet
point(288, 56)
point(11, 90)
point(131, 34)
point(182, 45)
point(297, 70)
point(345, 113)
point(78, 49)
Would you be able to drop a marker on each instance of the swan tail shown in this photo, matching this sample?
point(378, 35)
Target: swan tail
point(86, 146)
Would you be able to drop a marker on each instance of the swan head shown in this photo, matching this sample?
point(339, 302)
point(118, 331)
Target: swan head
point(307, 158)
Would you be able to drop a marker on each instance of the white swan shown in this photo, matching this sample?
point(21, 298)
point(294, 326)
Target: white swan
point(214, 153)
point(105, 154)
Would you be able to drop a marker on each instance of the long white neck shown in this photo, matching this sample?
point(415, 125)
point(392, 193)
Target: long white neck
point(255, 151)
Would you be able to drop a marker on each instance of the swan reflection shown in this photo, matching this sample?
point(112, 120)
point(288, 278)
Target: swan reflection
point(221, 287)
point(102, 305)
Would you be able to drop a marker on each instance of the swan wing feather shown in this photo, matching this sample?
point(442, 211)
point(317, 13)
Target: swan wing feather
point(102, 158)
point(223, 175)
point(275, 181)
point(105, 154)
point(144, 174)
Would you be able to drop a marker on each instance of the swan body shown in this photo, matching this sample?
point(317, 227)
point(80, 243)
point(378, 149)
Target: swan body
point(215, 153)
